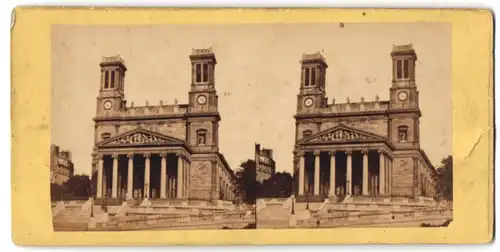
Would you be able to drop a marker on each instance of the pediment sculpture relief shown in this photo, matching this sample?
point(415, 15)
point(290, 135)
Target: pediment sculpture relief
point(340, 135)
point(138, 138)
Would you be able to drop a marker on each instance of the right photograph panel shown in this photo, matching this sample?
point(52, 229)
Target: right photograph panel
point(373, 132)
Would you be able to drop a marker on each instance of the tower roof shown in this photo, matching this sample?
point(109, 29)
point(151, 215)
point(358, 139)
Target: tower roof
point(200, 54)
point(113, 60)
point(405, 49)
point(314, 58)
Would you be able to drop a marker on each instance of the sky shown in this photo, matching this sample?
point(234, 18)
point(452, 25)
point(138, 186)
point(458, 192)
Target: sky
point(257, 77)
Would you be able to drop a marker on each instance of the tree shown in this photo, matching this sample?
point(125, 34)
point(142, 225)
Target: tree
point(245, 181)
point(278, 185)
point(56, 191)
point(444, 178)
point(77, 187)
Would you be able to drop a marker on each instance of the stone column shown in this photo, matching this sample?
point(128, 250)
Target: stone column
point(99, 176)
point(115, 177)
point(332, 174)
point(130, 176)
point(349, 173)
point(179, 176)
point(381, 183)
point(365, 172)
point(163, 176)
point(146, 175)
point(316, 173)
point(301, 173)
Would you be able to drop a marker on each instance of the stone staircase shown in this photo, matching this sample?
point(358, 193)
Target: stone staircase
point(361, 211)
point(273, 216)
point(71, 217)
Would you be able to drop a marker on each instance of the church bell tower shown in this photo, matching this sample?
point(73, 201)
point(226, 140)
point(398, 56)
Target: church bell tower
point(312, 84)
point(403, 105)
point(203, 96)
point(203, 126)
point(111, 91)
point(404, 92)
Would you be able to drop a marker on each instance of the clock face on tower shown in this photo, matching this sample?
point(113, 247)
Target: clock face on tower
point(201, 99)
point(402, 96)
point(308, 102)
point(107, 105)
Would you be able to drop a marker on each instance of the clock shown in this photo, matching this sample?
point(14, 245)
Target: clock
point(201, 99)
point(402, 96)
point(108, 105)
point(308, 102)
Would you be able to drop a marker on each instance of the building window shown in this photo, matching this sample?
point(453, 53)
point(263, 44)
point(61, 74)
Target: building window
point(198, 72)
point(106, 79)
point(202, 72)
point(398, 69)
point(201, 136)
point(306, 133)
point(403, 133)
point(406, 69)
point(313, 76)
point(205, 72)
point(105, 136)
point(402, 69)
point(306, 81)
point(112, 79)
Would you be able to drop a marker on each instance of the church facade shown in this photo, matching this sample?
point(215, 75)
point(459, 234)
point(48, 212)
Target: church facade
point(366, 148)
point(165, 151)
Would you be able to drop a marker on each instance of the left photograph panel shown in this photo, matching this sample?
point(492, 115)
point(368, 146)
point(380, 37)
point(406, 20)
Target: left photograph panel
point(153, 165)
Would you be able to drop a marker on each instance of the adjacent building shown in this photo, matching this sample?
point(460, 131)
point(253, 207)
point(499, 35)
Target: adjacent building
point(61, 166)
point(360, 148)
point(166, 151)
point(264, 163)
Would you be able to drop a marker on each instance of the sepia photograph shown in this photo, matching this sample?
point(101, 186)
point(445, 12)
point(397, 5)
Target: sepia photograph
point(251, 126)
point(370, 133)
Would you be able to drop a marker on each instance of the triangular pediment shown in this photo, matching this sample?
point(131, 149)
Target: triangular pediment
point(139, 137)
point(342, 133)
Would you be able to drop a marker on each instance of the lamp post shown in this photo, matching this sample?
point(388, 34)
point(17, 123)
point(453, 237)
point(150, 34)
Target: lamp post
point(293, 204)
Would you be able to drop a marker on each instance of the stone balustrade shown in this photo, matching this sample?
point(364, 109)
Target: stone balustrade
point(350, 107)
point(156, 110)
point(371, 218)
point(148, 222)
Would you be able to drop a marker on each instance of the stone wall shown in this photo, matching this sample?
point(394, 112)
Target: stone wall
point(201, 179)
point(402, 176)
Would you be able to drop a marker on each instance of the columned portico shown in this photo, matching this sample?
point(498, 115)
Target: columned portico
point(351, 172)
point(152, 174)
